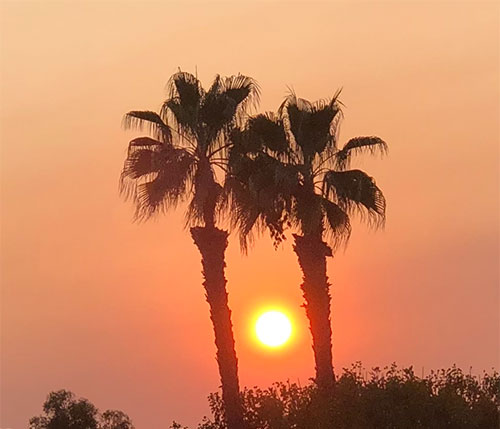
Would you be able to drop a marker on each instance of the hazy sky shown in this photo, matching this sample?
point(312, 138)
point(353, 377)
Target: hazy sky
point(115, 311)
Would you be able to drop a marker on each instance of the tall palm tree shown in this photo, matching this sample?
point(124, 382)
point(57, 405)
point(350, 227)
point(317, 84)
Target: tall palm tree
point(178, 163)
point(287, 170)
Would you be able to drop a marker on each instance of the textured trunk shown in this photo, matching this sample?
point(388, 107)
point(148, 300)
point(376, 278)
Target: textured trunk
point(312, 253)
point(212, 243)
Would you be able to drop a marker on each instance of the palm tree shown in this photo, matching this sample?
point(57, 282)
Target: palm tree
point(287, 171)
point(178, 163)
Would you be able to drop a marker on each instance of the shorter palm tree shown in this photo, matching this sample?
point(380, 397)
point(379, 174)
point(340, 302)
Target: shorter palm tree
point(286, 170)
point(179, 163)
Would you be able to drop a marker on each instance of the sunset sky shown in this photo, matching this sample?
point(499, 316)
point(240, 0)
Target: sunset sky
point(115, 311)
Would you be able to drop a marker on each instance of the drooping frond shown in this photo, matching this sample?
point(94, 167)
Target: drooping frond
point(154, 124)
point(356, 145)
point(255, 204)
point(243, 210)
point(260, 188)
point(354, 189)
point(337, 225)
point(156, 177)
point(140, 162)
point(144, 158)
point(264, 171)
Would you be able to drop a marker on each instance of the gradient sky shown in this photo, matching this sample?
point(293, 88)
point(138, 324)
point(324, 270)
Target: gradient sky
point(115, 311)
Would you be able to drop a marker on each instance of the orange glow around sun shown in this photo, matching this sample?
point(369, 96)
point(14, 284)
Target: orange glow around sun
point(273, 328)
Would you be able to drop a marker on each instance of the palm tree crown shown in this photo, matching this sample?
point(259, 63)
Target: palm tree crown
point(179, 162)
point(287, 170)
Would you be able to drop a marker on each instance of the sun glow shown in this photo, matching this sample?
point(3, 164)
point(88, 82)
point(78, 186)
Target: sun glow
point(273, 328)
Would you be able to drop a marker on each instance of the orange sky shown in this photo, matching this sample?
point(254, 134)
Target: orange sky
point(115, 312)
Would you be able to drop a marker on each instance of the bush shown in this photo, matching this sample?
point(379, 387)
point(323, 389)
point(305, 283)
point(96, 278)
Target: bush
point(389, 398)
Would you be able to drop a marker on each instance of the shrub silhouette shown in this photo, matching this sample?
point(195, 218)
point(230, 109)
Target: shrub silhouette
point(383, 398)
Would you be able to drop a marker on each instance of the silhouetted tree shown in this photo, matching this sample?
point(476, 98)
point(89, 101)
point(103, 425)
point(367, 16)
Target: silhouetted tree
point(63, 411)
point(113, 419)
point(179, 163)
point(286, 169)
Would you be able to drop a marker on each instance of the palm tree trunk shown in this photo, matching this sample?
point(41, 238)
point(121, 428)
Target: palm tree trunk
point(312, 253)
point(212, 243)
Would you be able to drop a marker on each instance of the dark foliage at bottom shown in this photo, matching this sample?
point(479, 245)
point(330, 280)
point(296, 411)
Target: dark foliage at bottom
point(63, 410)
point(389, 398)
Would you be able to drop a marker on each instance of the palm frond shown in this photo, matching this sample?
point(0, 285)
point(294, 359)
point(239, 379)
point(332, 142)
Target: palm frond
point(156, 178)
point(217, 114)
point(140, 162)
point(253, 208)
point(267, 131)
point(144, 142)
point(337, 225)
point(224, 106)
point(216, 86)
point(239, 145)
point(185, 94)
point(154, 124)
point(291, 99)
point(187, 88)
point(261, 189)
point(312, 125)
point(183, 116)
point(263, 171)
point(372, 145)
point(354, 189)
point(244, 90)
point(243, 211)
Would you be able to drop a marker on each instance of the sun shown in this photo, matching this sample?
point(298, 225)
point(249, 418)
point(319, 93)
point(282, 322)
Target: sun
point(273, 328)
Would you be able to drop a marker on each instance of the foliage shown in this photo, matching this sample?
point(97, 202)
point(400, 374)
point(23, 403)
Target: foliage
point(288, 171)
point(62, 410)
point(187, 145)
point(388, 398)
